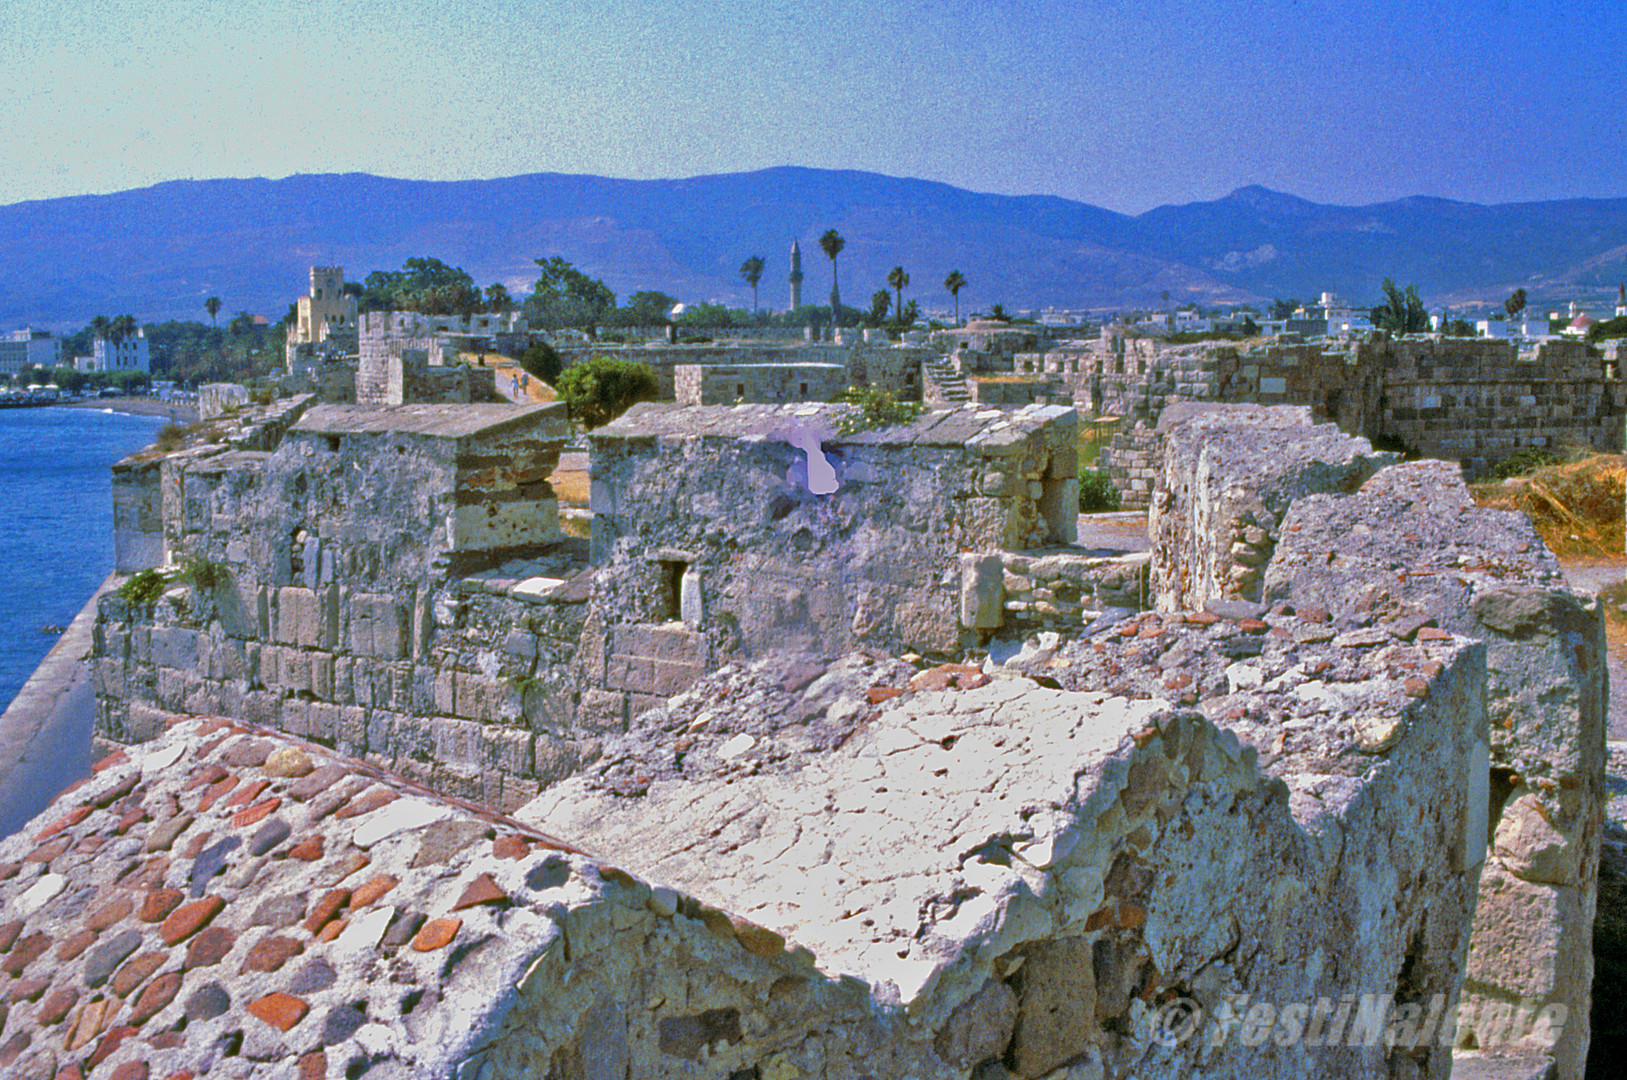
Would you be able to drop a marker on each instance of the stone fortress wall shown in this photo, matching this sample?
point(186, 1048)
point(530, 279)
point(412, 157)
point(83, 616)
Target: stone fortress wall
point(1466, 400)
point(466, 645)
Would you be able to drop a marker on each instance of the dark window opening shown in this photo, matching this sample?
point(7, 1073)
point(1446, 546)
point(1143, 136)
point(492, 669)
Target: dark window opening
point(333, 442)
point(739, 389)
point(672, 589)
point(804, 389)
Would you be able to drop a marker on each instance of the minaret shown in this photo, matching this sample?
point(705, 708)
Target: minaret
point(1621, 300)
point(796, 276)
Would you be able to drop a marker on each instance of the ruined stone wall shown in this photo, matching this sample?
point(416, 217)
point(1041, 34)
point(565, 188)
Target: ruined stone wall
point(892, 368)
point(1411, 548)
point(341, 611)
point(1015, 592)
point(725, 384)
point(1460, 399)
point(215, 399)
point(706, 518)
point(1134, 460)
point(1230, 473)
point(1012, 391)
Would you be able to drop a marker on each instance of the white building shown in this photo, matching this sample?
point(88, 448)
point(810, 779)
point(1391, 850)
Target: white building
point(117, 354)
point(29, 348)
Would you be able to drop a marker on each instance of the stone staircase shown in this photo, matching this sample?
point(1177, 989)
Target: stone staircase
point(942, 384)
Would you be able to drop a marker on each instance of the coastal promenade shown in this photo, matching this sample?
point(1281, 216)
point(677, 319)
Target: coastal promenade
point(45, 733)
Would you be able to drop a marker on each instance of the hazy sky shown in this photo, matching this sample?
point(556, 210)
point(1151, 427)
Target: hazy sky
point(1126, 105)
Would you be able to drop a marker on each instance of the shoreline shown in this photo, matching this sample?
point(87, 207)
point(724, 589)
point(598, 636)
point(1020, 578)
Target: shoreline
point(179, 412)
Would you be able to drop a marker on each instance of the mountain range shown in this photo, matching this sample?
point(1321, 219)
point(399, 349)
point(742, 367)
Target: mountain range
point(159, 252)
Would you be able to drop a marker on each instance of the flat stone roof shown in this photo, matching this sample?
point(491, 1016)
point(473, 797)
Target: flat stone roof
point(945, 427)
point(431, 421)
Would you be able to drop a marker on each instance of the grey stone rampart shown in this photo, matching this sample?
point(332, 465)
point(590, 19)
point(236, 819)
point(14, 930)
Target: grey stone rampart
point(1230, 473)
point(727, 384)
point(1408, 549)
point(215, 399)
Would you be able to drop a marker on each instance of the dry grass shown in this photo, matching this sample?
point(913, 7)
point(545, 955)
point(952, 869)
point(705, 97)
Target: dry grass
point(571, 486)
point(1576, 506)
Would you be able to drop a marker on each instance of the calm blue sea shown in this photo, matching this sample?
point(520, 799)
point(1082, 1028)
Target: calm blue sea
point(54, 502)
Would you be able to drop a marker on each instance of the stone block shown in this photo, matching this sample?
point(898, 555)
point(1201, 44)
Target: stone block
point(982, 590)
point(1531, 847)
point(602, 712)
point(654, 659)
point(1056, 1018)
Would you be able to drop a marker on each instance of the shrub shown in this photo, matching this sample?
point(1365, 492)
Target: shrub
point(200, 573)
point(142, 589)
point(598, 391)
point(1096, 492)
point(1522, 462)
point(876, 408)
point(170, 437)
point(541, 361)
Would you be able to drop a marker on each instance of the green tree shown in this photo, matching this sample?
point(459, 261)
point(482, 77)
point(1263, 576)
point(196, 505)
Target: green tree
point(880, 301)
point(832, 244)
point(649, 307)
point(541, 360)
point(752, 271)
point(123, 326)
point(998, 313)
point(955, 282)
point(1401, 312)
point(100, 327)
point(241, 325)
point(908, 316)
point(565, 296)
point(498, 301)
point(1284, 308)
point(598, 391)
point(212, 306)
point(1515, 303)
point(424, 285)
point(897, 278)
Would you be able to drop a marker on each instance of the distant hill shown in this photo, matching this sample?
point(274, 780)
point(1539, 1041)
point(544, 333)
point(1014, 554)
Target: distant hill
point(158, 252)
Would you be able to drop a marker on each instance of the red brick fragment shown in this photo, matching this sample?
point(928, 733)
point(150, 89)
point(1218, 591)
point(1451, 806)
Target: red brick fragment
point(214, 792)
point(370, 800)
point(877, 694)
point(372, 890)
point(130, 820)
point(1253, 626)
point(12, 1048)
point(70, 1072)
point(209, 947)
point(8, 934)
point(66, 821)
point(114, 911)
point(117, 757)
point(159, 993)
point(25, 952)
point(313, 1066)
point(88, 1024)
point(27, 990)
point(246, 795)
point(188, 919)
point(325, 909)
point(130, 1070)
point(110, 1042)
point(208, 774)
point(55, 1007)
point(332, 930)
point(1433, 633)
point(509, 846)
point(309, 850)
point(482, 890)
point(436, 934)
point(49, 850)
point(117, 791)
point(282, 1011)
point(256, 813)
point(75, 945)
point(272, 952)
point(159, 903)
point(134, 971)
point(168, 1040)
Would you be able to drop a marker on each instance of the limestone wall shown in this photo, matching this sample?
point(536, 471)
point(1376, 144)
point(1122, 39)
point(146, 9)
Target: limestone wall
point(1013, 391)
point(1229, 476)
point(719, 499)
point(726, 384)
point(215, 399)
point(1013, 592)
point(892, 368)
point(1411, 548)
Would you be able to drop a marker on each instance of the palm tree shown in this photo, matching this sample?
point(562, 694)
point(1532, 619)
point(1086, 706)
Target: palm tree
point(212, 306)
point(498, 301)
point(752, 271)
point(124, 326)
point(832, 244)
point(897, 278)
point(955, 282)
point(100, 326)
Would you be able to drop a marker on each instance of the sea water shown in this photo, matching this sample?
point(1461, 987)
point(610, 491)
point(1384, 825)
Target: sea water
point(56, 506)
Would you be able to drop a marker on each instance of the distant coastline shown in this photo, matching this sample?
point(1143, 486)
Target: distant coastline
point(181, 412)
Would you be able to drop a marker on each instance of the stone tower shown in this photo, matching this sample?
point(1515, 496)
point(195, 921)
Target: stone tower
point(795, 277)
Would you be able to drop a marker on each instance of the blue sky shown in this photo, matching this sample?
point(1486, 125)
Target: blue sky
point(1124, 105)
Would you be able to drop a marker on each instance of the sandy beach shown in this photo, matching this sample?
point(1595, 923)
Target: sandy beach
point(181, 412)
